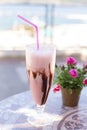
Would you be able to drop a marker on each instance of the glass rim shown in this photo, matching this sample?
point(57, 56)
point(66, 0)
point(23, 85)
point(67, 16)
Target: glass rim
point(41, 46)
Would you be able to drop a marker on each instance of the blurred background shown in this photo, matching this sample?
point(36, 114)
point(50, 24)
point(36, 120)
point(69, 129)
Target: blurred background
point(60, 22)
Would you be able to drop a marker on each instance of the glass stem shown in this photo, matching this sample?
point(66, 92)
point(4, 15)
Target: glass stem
point(40, 108)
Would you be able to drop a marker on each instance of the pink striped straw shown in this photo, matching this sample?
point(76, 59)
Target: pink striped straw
point(32, 24)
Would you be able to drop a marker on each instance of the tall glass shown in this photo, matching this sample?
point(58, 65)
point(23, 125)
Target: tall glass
point(40, 70)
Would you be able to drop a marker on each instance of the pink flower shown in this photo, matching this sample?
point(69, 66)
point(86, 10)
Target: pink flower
point(71, 61)
point(85, 81)
point(85, 65)
point(57, 88)
point(73, 73)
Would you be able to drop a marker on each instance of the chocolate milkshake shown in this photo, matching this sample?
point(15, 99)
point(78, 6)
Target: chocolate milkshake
point(40, 70)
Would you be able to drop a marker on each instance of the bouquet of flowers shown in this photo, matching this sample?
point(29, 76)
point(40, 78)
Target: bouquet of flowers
point(70, 76)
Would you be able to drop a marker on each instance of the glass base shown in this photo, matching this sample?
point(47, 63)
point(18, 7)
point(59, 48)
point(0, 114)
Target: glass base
point(39, 118)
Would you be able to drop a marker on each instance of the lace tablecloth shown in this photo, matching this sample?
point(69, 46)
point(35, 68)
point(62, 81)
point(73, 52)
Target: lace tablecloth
point(13, 113)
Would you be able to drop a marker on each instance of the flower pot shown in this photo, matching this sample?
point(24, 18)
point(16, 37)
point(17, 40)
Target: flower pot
point(70, 99)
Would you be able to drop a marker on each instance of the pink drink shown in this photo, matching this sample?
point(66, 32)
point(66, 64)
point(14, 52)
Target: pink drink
point(40, 69)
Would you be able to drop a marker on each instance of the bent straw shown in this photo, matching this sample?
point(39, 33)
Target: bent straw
point(32, 24)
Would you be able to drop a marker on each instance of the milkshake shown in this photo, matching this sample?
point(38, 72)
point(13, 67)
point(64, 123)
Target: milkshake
point(40, 70)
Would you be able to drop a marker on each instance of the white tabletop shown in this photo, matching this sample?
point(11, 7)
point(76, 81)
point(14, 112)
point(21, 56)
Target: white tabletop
point(13, 112)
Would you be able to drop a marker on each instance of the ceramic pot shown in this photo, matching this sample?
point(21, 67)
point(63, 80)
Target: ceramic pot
point(70, 99)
